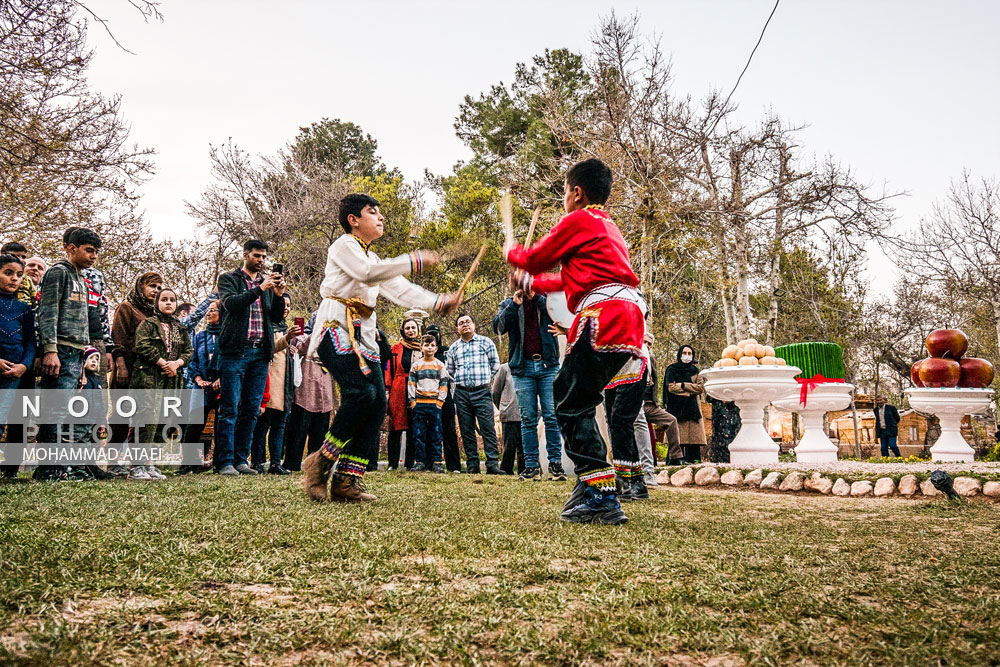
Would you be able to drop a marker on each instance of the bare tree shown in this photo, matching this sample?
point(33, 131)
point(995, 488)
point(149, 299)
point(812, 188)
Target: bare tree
point(63, 147)
point(958, 246)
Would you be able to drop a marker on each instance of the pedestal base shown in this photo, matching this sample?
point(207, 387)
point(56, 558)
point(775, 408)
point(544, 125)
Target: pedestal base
point(816, 446)
point(752, 446)
point(752, 388)
point(950, 405)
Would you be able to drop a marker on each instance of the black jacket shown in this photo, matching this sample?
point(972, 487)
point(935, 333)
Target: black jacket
point(234, 305)
point(510, 320)
point(891, 427)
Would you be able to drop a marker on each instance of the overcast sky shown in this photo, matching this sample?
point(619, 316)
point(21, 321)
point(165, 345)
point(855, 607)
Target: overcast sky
point(905, 92)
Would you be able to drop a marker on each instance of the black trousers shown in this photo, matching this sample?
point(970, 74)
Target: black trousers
point(621, 407)
point(449, 434)
point(303, 428)
point(512, 448)
point(362, 401)
point(475, 410)
point(395, 443)
point(268, 442)
point(579, 389)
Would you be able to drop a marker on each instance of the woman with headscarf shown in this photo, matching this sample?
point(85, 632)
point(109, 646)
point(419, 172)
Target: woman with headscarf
point(139, 305)
point(396, 373)
point(681, 387)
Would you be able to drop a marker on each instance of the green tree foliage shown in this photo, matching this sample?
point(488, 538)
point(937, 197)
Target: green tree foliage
point(340, 146)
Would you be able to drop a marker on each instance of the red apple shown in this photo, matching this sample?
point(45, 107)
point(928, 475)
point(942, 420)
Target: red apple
point(947, 344)
point(915, 373)
point(936, 372)
point(975, 373)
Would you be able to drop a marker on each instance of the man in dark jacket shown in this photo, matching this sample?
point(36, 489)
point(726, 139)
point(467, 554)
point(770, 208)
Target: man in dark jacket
point(250, 302)
point(886, 425)
point(534, 362)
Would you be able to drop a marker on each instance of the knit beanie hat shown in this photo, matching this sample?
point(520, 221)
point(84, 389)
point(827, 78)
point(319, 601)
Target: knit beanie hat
point(89, 350)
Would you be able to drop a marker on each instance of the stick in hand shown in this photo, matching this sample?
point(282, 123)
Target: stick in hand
point(531, 228)
point(472, 270)
point(507, 218)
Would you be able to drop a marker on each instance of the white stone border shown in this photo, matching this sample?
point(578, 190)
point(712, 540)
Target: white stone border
point(909, 486)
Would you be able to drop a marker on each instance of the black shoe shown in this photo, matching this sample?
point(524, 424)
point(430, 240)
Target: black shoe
point(556, 472)
point(79, 474)
point(493, 469)
point(533, 473)
point(261, 470)
point(98, 473)
point(185, 470)
point(276, 469)
point(438, 468)
point(244, 469)
point(639, 489)
point(593, 507)
point(623, 488)
point(49, 474)
point(418, 467)
point(472, 469)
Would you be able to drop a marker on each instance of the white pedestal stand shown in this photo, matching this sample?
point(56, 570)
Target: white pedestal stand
point(950, 405)
point(815, 446)
point(752, 388)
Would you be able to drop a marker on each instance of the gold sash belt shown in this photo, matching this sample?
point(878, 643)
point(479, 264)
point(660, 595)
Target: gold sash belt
point(356, 309)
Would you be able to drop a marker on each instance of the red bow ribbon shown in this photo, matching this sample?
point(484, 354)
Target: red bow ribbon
point(808, 384)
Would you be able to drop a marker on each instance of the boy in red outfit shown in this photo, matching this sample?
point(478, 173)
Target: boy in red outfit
point(606, 334)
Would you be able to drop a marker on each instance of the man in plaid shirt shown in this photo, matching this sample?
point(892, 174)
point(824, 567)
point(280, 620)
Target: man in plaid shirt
point(472, 362)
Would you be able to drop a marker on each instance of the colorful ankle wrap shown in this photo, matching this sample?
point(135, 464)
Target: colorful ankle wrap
point(332, 447)
point(628, 469)
point(352, 465)
point(602, 480)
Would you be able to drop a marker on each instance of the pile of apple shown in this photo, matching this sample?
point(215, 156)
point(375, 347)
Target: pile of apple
point(946, 367)
point(748, 353)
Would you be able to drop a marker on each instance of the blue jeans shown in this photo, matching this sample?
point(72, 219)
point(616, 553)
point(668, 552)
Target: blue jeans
point(242, 384)
point(7, 388)
point(426, 430)
point(70, 369)
point(534, 385)
point(888, 442)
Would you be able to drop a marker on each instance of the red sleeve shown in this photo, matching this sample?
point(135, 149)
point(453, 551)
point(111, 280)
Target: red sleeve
point(544, 283)
point(562, 240)
point(267, 393)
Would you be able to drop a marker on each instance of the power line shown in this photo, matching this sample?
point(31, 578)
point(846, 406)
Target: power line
point(747, 66)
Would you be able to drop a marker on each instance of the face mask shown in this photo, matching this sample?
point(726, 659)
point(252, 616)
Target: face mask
point(686, 358)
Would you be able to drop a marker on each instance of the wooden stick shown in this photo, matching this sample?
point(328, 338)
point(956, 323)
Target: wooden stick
point(531, 228)
point(507, 217)
point(472, 269)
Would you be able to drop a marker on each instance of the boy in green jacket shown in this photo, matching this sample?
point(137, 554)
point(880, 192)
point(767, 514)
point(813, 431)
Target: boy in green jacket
point(64, 330)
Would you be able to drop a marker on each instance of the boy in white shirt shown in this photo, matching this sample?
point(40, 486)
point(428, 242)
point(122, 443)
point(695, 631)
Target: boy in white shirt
point(345, 339)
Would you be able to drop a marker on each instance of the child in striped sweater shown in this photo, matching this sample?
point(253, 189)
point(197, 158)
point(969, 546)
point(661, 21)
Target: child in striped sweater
point(426, 389)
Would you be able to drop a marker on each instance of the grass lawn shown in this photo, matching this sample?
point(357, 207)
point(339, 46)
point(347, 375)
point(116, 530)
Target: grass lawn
point(203, 570)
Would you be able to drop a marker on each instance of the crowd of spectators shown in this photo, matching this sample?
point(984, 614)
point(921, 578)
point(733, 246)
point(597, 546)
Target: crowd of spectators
point(268, 403)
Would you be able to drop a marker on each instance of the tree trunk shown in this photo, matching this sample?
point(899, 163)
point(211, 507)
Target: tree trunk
point(774, 276)
point(742, 247)
point(996, 319)
point(857, 434)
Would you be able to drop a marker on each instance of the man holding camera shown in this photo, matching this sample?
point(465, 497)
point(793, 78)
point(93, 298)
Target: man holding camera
point(250, 303)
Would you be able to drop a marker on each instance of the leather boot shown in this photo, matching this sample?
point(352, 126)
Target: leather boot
point(317, 473)
point(349, 489)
